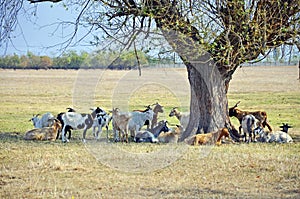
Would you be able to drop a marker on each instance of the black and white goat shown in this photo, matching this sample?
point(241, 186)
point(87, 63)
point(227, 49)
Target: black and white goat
point(147, 136)
point(79, 121)
point(275, 136)
point(67, 128)
point(46, 120)
point(101, 120)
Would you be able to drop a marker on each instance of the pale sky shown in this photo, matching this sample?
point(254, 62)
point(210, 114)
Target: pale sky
point(38, 33)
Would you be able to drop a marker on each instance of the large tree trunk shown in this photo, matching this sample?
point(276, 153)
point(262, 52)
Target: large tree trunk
point(209, 105)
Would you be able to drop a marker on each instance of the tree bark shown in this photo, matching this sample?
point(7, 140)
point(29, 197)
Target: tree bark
point(209, 104)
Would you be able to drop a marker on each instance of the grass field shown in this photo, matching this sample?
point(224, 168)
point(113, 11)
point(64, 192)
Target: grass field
point(115, 170)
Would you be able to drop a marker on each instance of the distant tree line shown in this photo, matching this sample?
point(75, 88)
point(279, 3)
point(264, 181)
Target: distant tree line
point(74, 60)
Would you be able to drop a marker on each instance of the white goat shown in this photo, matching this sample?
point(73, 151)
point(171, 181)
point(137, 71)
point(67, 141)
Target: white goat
point(101, 120)
point(120, 123)
point(79, 121)
point(248, 125)
point(277, 136)
point(182, 117)
point(45, 121)
point(138, 120)
point(45, 133)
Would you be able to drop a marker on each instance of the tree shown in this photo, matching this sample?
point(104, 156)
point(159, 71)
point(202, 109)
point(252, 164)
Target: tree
point(212, 37)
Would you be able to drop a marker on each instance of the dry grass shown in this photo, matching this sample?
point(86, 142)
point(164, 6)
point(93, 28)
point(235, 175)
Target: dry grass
point(109, 170)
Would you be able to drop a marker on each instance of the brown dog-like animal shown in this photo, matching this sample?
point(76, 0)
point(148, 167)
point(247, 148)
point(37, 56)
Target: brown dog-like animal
point(208, 138)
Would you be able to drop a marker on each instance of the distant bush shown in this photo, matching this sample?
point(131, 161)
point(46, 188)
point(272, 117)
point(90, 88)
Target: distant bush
point(73, 60)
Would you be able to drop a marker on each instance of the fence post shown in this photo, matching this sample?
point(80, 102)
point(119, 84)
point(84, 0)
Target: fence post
point(299, 70)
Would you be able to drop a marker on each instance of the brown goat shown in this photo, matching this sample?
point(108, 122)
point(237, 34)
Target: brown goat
point(209, 138)
point(46, 133)
point(120, 123)
point(171, 137)
point(261, 116)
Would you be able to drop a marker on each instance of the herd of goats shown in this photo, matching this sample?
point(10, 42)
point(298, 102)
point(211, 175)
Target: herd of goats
point(252, 124)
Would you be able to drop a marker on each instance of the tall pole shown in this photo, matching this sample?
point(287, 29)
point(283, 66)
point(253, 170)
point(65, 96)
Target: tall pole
point(299, 70)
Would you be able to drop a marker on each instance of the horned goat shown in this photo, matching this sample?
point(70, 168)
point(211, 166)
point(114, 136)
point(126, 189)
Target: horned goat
point(261, 116)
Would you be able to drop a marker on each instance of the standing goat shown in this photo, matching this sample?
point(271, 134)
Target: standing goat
point(182, 117)
point(67, 128)
point(101, 120)
point(120, 124)
point(157, 109)
point(45, 121)
point(138, 120)
point(79, 121)
point(261, 116)
point(248, 125)
point(45, 133)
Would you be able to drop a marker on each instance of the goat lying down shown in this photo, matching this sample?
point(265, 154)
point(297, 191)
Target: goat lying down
point(46, 133)
point(277, 136)
point(46, 120)
point(147, 136)
point(208, 138)
point(171, 136)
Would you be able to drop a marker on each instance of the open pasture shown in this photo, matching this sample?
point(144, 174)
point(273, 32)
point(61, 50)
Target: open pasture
point(100, 170)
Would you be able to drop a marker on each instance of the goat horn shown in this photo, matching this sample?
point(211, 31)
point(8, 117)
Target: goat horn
point(237, 104)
